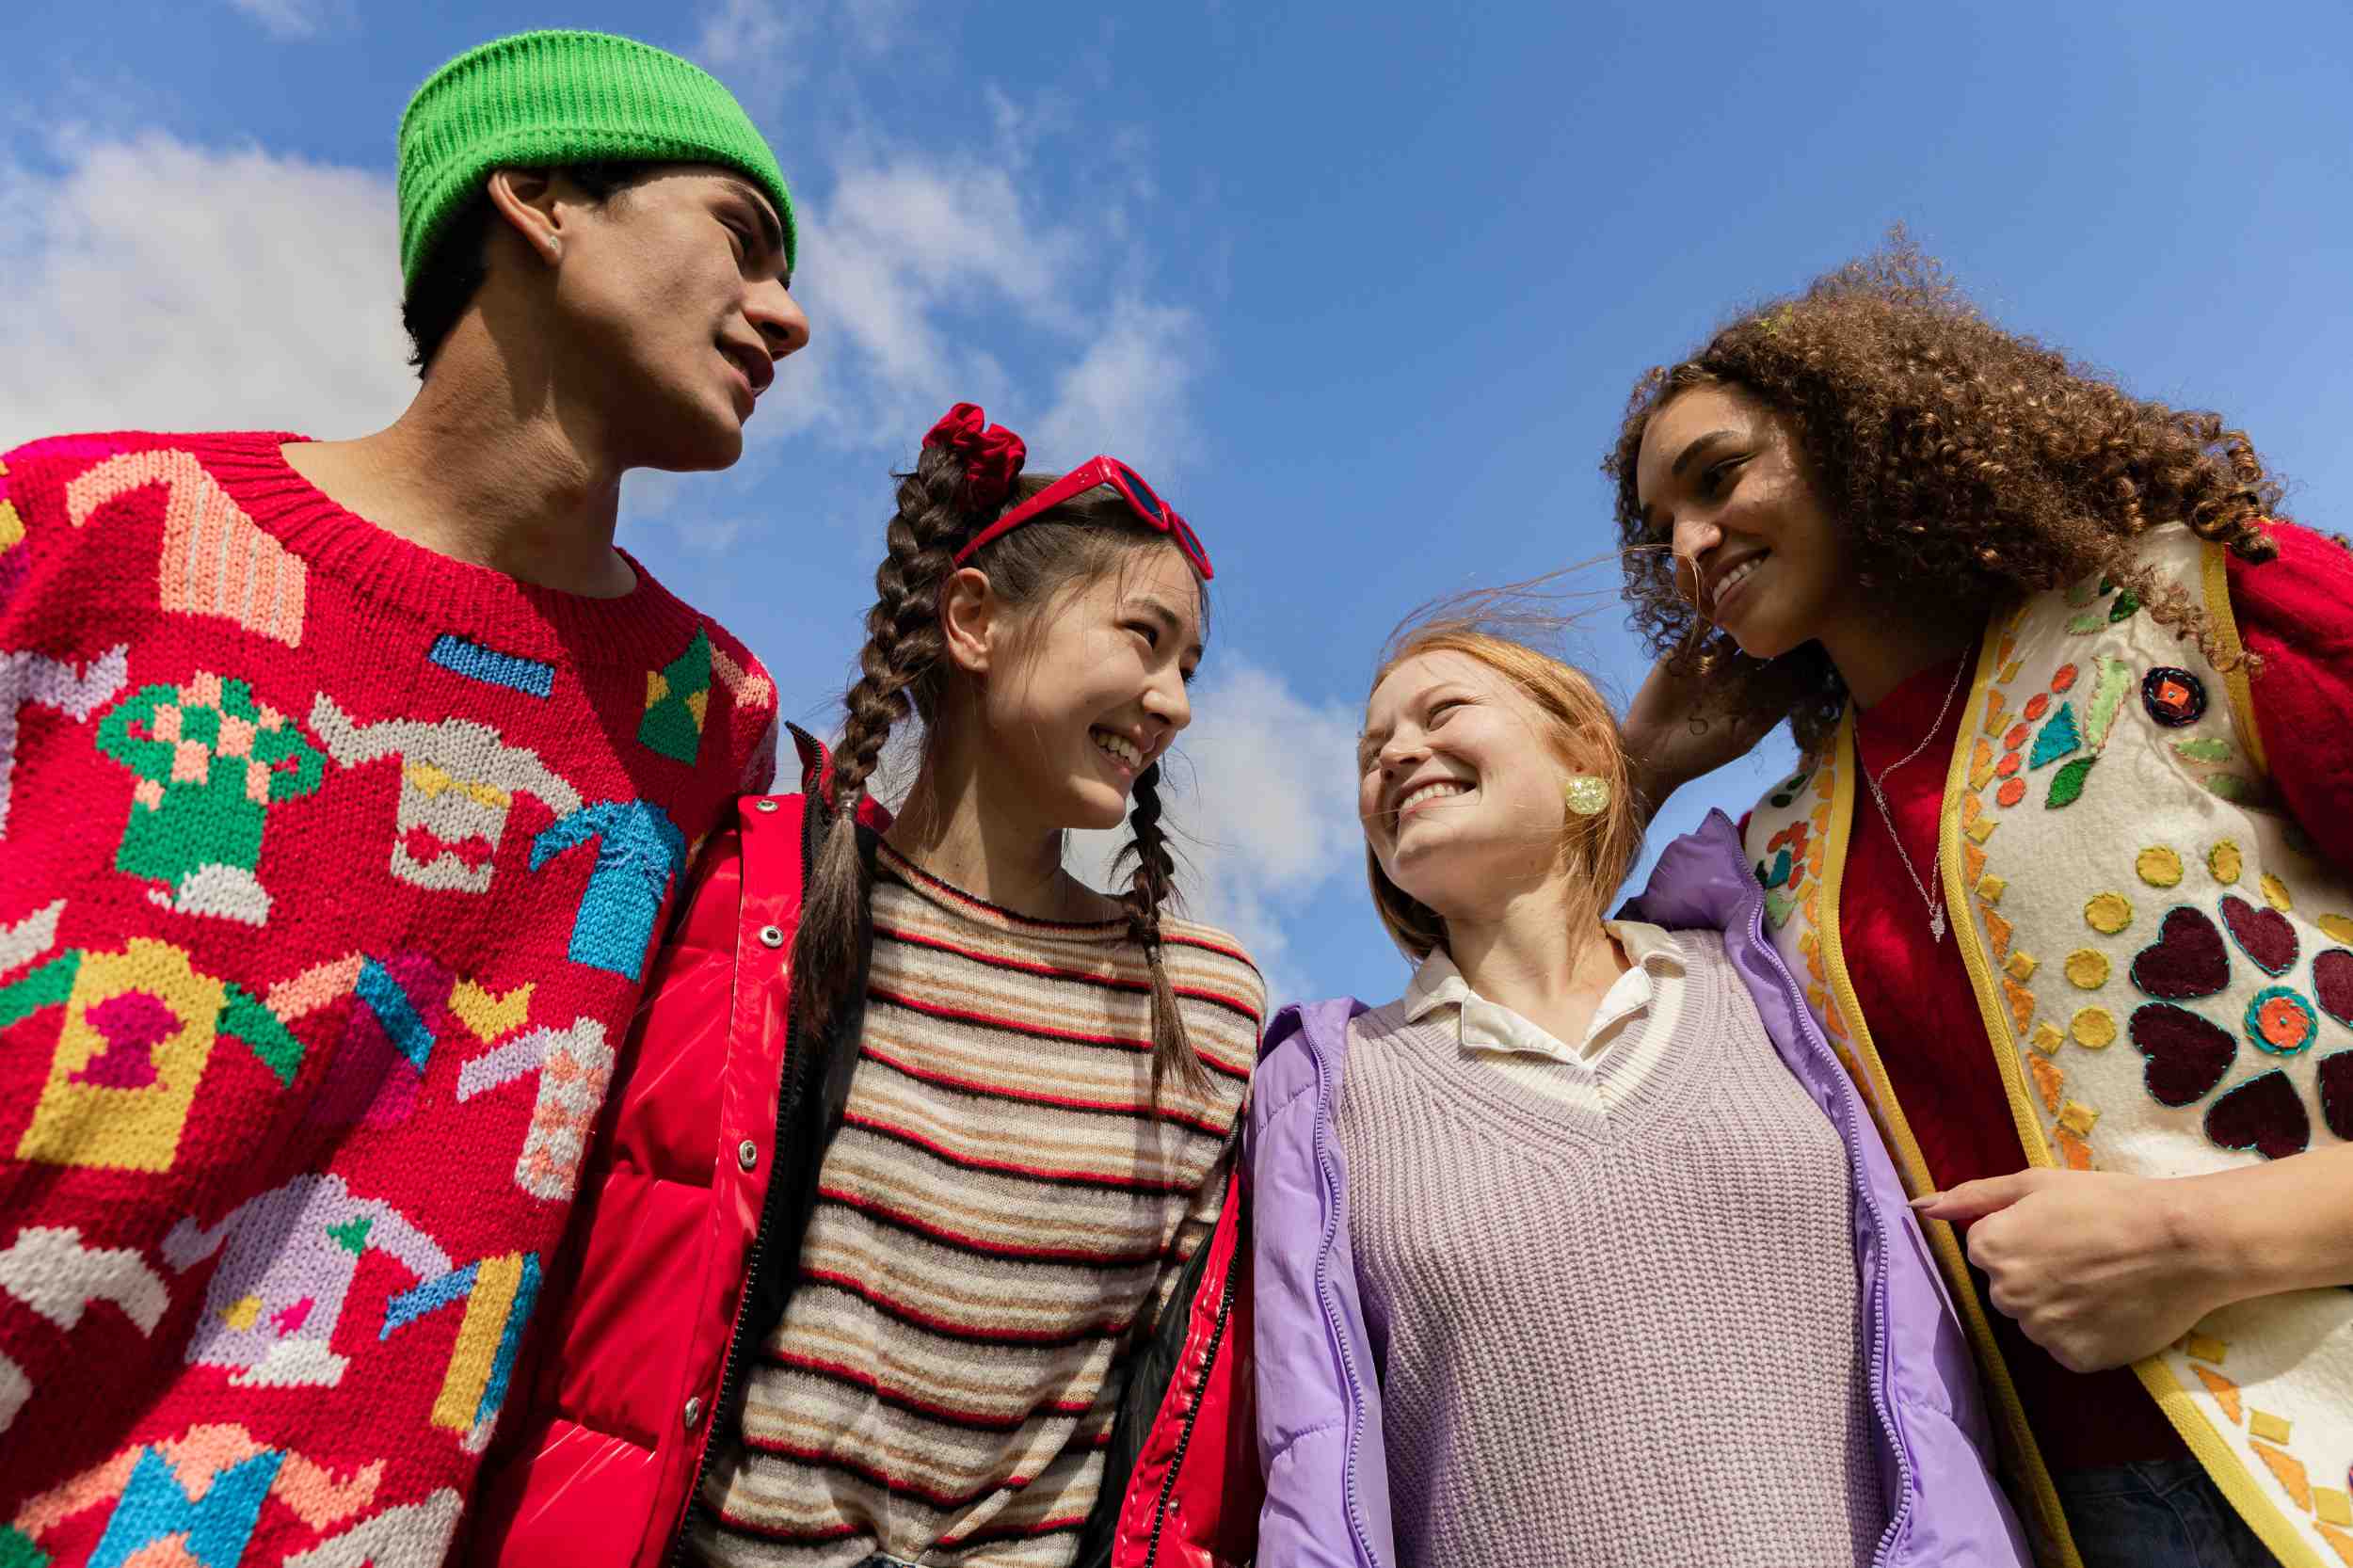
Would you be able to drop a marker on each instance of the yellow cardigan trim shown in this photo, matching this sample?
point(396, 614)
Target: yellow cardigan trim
point(2214, 573)
point(1942, 1241)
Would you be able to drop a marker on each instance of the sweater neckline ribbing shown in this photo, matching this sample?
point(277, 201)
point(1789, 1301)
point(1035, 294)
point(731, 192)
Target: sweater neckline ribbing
point(649, 623)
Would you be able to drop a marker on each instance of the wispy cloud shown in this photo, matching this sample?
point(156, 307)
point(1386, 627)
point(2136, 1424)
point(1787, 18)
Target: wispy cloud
point(296, 19)
point(757, 47)
point(1262, 802)
point(156, 284)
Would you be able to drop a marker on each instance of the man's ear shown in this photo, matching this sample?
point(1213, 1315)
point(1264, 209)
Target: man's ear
point(528, 202)
point(971, 620)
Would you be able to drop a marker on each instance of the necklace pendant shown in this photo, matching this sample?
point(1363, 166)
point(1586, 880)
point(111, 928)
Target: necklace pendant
point(1936, 923)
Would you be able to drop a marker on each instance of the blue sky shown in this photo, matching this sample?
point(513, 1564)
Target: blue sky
point(1362, 287)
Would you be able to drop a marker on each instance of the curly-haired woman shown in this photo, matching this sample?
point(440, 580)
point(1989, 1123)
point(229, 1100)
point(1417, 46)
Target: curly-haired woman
point(2068, 864)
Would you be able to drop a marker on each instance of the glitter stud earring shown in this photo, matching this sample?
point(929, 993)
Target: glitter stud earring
point(1588, 794)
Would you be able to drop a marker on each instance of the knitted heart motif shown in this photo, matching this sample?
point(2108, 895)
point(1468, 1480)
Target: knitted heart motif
point(2336, 1092)
point(2264, 1113)
point(2187, 959)
point(2263, 933)
point(2332, 983)
point(2187, 1056)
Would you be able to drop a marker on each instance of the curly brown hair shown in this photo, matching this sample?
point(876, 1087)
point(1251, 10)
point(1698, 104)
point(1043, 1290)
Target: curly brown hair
point(1959, 460)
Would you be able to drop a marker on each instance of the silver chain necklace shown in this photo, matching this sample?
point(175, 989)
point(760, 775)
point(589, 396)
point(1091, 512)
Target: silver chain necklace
point(1935, 900)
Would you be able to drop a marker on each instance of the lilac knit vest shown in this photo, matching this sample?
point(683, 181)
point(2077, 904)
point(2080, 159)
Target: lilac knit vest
point(1620, 1331)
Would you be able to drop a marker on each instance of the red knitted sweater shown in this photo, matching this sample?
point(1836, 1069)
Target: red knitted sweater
point(328, 868)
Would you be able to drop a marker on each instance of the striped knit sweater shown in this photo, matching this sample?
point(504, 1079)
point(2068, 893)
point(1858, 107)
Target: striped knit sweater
point(999, 1207)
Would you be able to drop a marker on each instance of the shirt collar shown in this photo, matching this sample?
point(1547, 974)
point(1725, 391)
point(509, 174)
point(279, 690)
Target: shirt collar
point(1484, 1024)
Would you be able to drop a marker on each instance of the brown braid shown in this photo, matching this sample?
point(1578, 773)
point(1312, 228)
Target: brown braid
point(1148, 887)
point(903, 645)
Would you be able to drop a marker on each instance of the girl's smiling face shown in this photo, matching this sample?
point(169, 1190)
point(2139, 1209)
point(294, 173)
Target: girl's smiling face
point(1087, 690)
point(1459, 784)
point(1723, 477)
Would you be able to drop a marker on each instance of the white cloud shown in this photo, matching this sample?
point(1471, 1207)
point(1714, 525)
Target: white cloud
point(1129, 393)
point(294, 19)
point(1262, 800)
point(156, 284)
point(757, 46)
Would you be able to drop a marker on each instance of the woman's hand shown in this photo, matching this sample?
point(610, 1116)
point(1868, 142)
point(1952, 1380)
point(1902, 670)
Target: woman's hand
point(1681, 728)
point(2098, 1269)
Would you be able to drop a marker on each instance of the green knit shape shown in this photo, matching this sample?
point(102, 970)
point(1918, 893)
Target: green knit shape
point(548, 99)
point(676, 697)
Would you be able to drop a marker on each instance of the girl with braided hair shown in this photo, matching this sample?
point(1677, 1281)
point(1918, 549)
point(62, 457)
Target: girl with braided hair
point(2068, 867)
point(932, 1144)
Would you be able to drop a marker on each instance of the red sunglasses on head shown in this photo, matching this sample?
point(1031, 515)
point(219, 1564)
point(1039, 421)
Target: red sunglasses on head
point(1141, 499)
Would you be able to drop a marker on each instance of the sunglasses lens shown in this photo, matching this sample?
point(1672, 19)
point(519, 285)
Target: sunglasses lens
point(1186, 537)
point(1141, 492)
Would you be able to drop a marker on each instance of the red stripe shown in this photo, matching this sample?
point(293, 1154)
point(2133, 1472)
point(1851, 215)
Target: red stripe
point(1061, 1102)
point(1045, 1338)
point(1014, 1532)
point(947, 1414)
point(1050, 971)
point(1006, 1167)
point(875, 1211)
point(944, 1501)
point(1042, 1032)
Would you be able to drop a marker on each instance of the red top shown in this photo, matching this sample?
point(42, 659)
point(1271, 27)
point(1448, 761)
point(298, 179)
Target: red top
point(2296, 613)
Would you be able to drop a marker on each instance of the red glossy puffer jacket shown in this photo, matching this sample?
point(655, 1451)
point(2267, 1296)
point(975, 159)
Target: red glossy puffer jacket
point(604, 1437)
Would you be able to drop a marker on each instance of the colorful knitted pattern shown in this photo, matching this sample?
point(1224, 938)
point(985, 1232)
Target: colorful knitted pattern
point(998, 1207)
point(328, 870)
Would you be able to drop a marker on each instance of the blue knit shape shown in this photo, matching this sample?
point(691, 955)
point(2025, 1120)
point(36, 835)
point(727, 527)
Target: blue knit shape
point(510, 1342)
point(433, 1294)
point(153, 1506)
point(409, 1034)
point(2059, 738)
point(641, 851)
point(463, 656)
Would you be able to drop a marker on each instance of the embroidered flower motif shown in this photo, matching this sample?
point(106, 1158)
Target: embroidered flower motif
point(2187, 1055)
point(2174, 697)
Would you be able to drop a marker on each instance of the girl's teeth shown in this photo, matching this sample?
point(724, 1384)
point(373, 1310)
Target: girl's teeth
point(1119, 746)
point(1428, 792)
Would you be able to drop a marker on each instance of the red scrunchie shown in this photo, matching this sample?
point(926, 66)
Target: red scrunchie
point(992, 455)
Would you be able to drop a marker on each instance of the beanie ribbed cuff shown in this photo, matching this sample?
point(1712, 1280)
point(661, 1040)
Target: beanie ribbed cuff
point(550, 99)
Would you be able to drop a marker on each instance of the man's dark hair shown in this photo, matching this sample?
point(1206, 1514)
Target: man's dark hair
point(451, 275)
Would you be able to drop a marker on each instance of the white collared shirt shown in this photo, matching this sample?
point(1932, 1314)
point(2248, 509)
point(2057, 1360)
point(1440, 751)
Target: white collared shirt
point(1642, 1004)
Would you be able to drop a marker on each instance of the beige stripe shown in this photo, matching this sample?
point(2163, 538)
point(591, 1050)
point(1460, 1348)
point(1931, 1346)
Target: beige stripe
point(1005, 1213)
point(1000, 1383)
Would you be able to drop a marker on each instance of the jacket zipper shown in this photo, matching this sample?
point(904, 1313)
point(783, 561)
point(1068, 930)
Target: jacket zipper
point(1332, 1316)
point(1184, 1435)
point(731, 1370)
point(1755, 905)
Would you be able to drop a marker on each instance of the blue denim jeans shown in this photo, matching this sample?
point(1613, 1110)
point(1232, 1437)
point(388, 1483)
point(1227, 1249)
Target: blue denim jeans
point(2155, 1513)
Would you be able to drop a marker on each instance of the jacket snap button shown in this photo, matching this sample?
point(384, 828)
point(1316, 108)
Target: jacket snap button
point(763, 806)
point(747, 1154)
point(772, 935)
point(694, 1412)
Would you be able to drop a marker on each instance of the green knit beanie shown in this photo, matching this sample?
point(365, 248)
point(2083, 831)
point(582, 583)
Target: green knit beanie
point(545, 100)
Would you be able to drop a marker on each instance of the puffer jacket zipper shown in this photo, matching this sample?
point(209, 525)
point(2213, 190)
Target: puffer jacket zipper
point(1184, 1436)
point(731, 1370)
point(1331, 1311)
point(1752, 908)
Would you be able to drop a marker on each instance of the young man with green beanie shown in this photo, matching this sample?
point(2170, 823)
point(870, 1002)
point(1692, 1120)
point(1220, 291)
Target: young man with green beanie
point(344, 787)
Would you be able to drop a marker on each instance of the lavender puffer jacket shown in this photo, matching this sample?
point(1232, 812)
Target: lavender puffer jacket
point(1327, 1503)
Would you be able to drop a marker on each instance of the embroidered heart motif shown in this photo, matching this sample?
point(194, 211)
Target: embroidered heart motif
point(2186, 960)
point(2336, 1092)
point(2187, 1056)
point(2332, 983)
point(2264, 1115)
point(2263, 933)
